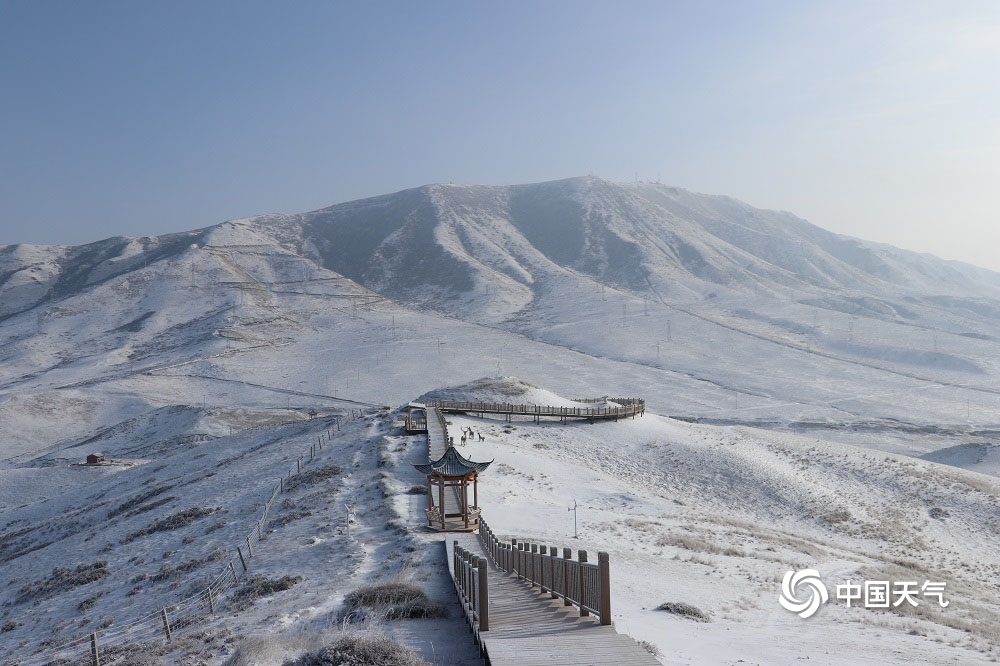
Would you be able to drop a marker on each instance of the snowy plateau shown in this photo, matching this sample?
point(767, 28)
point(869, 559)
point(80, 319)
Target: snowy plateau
point(813, 402)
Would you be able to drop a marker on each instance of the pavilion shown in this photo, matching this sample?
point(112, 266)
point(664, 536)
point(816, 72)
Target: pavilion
point(452, 474)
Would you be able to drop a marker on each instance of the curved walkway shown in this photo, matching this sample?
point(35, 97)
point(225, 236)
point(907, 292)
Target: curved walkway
point(625, 407)
point(437, 444)
point(526, 627)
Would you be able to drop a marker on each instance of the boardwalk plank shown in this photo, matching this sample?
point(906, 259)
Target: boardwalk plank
point(529, 627)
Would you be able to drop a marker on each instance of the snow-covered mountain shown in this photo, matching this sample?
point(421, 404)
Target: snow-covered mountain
point(706, 306)
point(856, 363)
point(437, 243)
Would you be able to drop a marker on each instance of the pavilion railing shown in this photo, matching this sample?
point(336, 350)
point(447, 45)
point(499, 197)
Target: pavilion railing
point(469, 573)
point(625, 407)
point(577, 582)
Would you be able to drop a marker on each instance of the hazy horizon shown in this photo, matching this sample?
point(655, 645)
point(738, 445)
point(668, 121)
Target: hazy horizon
point(876, 122)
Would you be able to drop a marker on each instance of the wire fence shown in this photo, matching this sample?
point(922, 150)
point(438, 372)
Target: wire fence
point(106, 646)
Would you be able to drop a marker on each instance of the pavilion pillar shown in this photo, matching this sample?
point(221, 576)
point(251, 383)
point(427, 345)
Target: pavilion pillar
point(441, 500)
point(465, 500)
point(475, 490)
point(430, 498)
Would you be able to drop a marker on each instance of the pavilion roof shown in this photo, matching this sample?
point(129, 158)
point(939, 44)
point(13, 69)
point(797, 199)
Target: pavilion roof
point(452, 463)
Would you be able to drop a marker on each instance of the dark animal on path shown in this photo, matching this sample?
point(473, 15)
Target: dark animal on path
point(481, 438)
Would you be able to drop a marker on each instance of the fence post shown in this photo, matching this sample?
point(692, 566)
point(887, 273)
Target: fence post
point(466, 574)
point(484, 597)
point(281, 485)
point(553, 554)
point(166, 623)
point(567, 555)
point(93, 650)
point(534, 574)
point(298, 465)
point(232, 567)
point(582, 556)
point(603, 569)
point(468, 563)
point(541, 575)
point(242, 561)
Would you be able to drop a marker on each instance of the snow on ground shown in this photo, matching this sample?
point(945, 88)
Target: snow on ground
point(199, 369)
point(715, 516)
point(254, 325)
point(213, 490)
point(707, 515)
point(508, 390)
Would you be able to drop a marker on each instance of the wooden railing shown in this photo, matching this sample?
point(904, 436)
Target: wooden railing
point(469, 573)
point(438, 417)
point(444, 424)
point(627, 407)
point(579, 583)
point(412, 424)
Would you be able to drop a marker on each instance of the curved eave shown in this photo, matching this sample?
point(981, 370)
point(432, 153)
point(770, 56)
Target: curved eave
point(453, 465)
point(438, 475)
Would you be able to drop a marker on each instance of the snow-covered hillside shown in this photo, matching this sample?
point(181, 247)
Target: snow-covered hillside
point(807, 374)
point(714, 516)
point(644, 238)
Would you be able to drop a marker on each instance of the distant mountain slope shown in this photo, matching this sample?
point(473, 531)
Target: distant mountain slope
point(482, 251)
point(698, 297)
point(815, 254)
point(30, 274)
point(489, 252)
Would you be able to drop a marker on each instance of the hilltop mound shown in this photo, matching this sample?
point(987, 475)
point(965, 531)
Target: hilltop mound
point(504, 389)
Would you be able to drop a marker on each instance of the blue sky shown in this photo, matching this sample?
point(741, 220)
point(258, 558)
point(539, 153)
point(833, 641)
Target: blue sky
point(875, 119)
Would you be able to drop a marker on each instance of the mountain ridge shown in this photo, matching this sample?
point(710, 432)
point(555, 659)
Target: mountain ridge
point(439, 241)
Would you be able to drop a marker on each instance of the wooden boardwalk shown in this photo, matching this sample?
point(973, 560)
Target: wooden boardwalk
point(437, 444)
point(437, 434)
point(529, 628)
point(625, 407)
